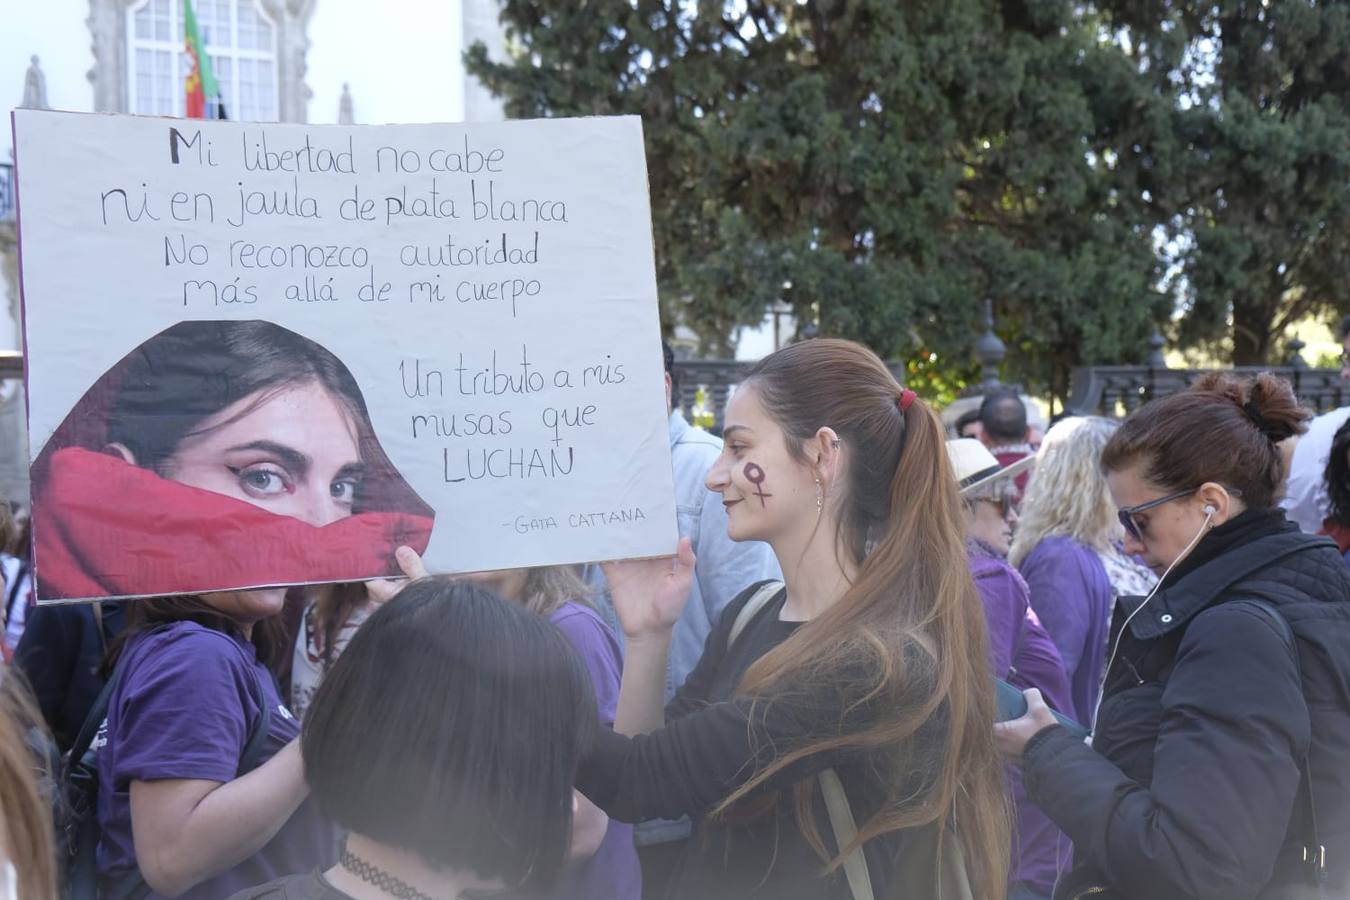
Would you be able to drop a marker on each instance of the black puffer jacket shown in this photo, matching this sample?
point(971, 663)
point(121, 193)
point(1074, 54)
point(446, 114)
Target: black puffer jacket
point(1192, 786)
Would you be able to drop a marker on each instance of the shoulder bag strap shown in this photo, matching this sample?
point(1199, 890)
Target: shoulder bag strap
point(767, 591)
point(1314, 851)
point(845, 833)
point(93, 720)
point(836, 801)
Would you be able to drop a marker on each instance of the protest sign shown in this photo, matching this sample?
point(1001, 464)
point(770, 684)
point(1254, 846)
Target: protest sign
point(263, 354)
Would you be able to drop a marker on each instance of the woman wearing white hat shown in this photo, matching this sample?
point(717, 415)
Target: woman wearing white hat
point(1020, 650)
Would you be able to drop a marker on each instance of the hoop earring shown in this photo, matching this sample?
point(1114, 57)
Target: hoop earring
point(820, 498)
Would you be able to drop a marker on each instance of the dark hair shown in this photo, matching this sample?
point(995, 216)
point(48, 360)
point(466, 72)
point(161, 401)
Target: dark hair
point(268, 636)
point(1344, 330)
point(12, 531)
point(159, 394)
point(1222, 429)
point(966, 419)
point(910, 620)
point(1338, 477)
point(1004, 416)
point(668, 355)
point(193, 370)
point(452, 727)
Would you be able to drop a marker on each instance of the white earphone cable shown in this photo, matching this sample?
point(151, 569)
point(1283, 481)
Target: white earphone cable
point(1209, 515)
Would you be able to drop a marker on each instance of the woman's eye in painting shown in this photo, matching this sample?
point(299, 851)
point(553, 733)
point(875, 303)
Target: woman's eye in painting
point(263, 480)
point(344, 490)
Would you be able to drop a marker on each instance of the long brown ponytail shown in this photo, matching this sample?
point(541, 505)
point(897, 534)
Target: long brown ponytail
point(912, 599)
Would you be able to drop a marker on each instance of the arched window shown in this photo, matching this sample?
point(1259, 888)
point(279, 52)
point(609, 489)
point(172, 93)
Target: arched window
point(240, 39)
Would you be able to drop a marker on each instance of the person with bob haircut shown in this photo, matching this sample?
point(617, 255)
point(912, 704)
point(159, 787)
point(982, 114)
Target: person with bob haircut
point(219, 455)
point(558, 594)
point(445, 739)
point(840, 738)
point(1217, 763)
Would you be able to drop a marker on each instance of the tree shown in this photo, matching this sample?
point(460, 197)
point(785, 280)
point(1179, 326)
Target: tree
point(881, 166)
point(1258, 203)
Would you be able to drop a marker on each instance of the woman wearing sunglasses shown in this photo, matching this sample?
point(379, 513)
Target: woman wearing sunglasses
point(1216, 769)
point(1069, 548)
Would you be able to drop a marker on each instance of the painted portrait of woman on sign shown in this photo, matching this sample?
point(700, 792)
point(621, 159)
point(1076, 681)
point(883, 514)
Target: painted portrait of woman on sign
point(218, 455)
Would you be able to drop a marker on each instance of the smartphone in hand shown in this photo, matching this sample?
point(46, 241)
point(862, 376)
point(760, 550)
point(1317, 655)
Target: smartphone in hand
point(1013, 705)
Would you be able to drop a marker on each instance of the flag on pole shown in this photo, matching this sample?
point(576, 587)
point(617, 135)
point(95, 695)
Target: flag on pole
point(201, 85)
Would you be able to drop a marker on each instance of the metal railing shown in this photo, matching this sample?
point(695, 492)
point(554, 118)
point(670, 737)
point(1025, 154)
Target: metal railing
point(1119, 390)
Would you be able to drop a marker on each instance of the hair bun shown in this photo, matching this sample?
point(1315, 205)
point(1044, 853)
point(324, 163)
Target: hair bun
point(1267, 401)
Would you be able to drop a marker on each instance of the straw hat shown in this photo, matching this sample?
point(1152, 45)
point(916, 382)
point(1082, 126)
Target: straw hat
point(976, 467)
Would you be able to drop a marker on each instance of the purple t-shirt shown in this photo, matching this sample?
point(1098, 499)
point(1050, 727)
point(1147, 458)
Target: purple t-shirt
point(185, 708)
point(613, 871)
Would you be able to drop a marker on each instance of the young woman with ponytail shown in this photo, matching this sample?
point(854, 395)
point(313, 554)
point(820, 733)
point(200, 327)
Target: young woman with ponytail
point(869, 663)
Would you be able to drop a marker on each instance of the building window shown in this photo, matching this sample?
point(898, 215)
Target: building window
point(239, 38)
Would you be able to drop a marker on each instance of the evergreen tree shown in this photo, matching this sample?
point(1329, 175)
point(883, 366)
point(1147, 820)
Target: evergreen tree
point(1257, 188)
point(883, 167)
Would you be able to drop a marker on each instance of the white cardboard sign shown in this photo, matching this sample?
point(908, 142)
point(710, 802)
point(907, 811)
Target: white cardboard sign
point(267, 353)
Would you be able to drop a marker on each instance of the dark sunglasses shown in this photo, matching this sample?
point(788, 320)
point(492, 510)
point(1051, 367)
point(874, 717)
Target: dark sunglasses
point(1127, 514)
point(1004, 504)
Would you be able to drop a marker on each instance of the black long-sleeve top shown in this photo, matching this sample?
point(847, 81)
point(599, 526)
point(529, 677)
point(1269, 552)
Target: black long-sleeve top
point(714, 741)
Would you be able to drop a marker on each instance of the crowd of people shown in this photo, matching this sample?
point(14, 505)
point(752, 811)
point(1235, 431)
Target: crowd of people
point(802, 703)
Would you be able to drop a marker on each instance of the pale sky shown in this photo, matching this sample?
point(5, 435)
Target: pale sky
point(402, 62)
point(401, 58)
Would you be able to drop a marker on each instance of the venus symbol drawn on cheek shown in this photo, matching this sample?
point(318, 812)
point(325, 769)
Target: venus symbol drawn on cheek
point(755, 475)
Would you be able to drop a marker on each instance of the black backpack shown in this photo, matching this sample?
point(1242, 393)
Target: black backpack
point(75, 798)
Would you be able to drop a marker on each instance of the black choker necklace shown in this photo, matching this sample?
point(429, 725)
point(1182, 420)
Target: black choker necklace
point(379, 877)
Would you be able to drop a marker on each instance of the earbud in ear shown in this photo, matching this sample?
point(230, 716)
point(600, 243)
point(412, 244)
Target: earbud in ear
point(1211, 511)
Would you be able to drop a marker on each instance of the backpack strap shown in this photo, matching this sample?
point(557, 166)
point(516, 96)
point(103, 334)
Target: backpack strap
point(93, 720)
point(97, 609)
point(842, 823)
point(1314, 851)
point(766, 592)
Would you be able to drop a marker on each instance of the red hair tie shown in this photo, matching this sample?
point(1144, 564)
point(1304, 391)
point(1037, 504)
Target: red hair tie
point(906, 400)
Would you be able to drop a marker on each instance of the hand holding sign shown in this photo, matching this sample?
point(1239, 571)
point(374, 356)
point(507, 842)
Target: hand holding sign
point(649, 594)
point(382, 590)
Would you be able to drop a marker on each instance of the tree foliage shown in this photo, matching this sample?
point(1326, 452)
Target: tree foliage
point(1257, 191)
point(884, 167)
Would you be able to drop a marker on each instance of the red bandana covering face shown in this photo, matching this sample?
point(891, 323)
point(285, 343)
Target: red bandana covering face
point(110, 529)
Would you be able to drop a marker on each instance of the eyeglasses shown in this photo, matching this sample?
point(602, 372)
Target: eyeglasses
point(1135, 530)
point(1126, 515)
